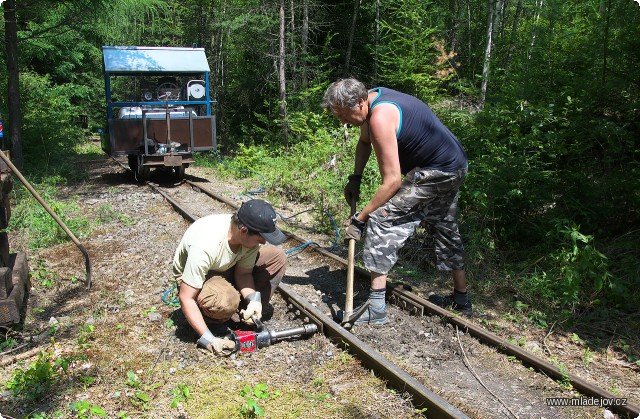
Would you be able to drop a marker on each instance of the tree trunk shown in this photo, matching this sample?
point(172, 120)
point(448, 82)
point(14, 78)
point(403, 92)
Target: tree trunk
point(504, 17)
point(514, 35)
point(281, 78)
point(470, 38)
point(377, 44)
point(305, 43)
point(536, 20)
point(605, 43)
point(352, 32)
point(487, 53)
point(293, 56)
point(453, 23)
point(497, 19)
point(15, 117)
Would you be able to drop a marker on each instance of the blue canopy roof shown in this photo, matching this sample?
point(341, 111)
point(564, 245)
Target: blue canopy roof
point(121, 60)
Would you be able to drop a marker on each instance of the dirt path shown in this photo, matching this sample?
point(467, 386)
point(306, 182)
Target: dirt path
point(140, 353)
point(139, 350)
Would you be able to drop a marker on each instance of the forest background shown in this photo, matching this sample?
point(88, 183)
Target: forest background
point(543, 95)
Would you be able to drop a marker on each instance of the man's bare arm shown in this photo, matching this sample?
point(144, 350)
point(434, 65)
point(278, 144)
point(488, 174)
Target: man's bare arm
point(363, 150)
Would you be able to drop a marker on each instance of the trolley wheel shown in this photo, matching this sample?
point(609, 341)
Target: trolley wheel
point(180, 171)
point(142, 171)
point(132, 159)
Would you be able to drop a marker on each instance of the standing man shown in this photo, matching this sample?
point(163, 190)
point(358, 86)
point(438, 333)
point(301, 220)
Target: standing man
point(219, 261)
point(408, 140)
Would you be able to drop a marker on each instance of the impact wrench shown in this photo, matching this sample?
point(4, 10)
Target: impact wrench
point(250, 341)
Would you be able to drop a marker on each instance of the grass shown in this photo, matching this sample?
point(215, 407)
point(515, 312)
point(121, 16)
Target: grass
point(221, 394)
point(38, 227)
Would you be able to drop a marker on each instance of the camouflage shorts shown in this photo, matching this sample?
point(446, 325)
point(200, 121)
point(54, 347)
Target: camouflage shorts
point(425, 195)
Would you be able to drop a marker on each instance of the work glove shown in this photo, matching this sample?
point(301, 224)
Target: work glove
point(355, 229)
point(352, 189)
point(254, 307)
point(215, 345)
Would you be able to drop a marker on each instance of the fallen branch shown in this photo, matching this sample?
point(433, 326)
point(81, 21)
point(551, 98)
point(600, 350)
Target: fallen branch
point(14, 349)
point(468, 365)
point(32, 352)
point(544, 341)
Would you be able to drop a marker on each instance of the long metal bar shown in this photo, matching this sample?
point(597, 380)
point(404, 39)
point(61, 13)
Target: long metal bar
point(158, 103)
point(207, 97)
point(422, 396)
point(191, 140)
point(305, 329)
point(351, 256)
point(37, 196)
point(107, 89)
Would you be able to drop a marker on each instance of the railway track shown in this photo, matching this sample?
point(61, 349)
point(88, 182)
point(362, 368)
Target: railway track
point(410, 328)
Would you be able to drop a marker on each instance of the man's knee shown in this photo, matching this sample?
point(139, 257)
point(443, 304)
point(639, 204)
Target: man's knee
point(269, 270)
point(280, 261)
point(272, 259)
point(218, 301)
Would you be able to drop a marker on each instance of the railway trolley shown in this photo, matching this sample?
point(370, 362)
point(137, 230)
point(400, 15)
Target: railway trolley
point(159, 109)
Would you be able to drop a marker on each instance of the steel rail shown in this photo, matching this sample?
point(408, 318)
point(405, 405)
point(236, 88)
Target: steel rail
point(422, 397)
point(181, 210)
point(407, 298)
point(540, 364)
point(414, 301)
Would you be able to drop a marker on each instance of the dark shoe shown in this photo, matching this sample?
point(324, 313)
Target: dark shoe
point(373, 315)
point(449, 301)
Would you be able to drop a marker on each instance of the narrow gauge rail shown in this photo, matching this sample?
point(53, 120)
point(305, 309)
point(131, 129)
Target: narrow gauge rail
point(405, 299)
point(422, 396)
point(416, 305)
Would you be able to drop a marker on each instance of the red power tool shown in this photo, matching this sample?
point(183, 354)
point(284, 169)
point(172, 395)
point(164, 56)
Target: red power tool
point(249, 340)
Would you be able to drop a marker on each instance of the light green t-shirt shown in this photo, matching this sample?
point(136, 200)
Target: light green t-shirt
point(205, 247)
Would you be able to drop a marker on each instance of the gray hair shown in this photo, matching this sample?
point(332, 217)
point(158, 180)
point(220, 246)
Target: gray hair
point(344, 93)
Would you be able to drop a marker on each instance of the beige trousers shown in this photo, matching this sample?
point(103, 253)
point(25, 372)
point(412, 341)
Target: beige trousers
point(219, 299)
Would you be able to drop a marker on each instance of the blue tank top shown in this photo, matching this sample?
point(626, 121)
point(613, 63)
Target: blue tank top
point(423, 140)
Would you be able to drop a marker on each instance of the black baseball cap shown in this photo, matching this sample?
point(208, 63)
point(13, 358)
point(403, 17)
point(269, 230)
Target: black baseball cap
point(258, 215)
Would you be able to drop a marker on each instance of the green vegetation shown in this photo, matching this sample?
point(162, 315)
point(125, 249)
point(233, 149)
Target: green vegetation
point(86, 410)
point(180, 394)
point(84, 336)
point(32, 383)
point(132, 380)
point(106, 213)
point(35, 223)
point(141, 397)
point(223, 392)
point(33, 386)
point(564, 382)
point(40, 274)
point(587, 357)
point(251, 408)
point(8, 343)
